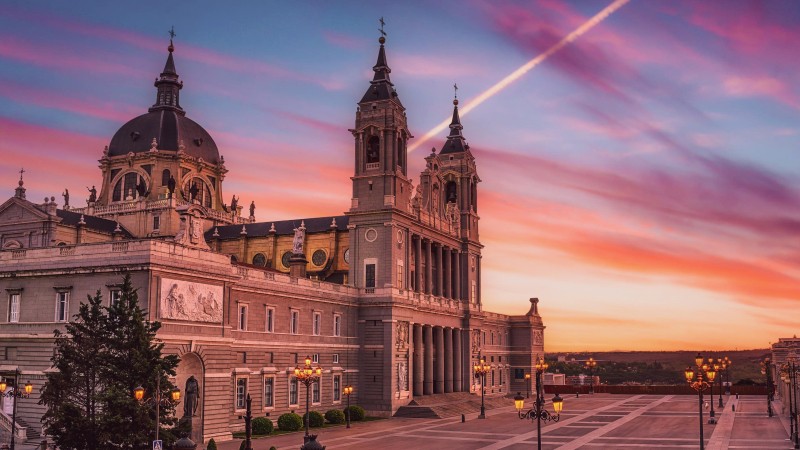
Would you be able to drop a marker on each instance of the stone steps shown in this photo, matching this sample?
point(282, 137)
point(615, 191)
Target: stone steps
point(448, 405)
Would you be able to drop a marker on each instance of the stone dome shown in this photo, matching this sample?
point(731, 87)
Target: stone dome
point(169, 128)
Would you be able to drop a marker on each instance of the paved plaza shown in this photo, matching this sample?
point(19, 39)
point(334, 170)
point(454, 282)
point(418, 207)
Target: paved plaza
point(600, 421)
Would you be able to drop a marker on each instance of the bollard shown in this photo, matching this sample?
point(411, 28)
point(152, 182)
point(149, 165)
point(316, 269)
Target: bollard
point(463, 418)
point(737, 396)
point(577, 395)
point(733, 408)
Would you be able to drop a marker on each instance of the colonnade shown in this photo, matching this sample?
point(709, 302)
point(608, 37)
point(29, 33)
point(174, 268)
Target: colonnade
point(442, 269)
point(440, 360)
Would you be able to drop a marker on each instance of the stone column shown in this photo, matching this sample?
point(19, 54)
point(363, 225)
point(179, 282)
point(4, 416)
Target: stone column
point(438, 377)
point(458, 364)
point(439, 274)
point(457, 271)
point(418, 264)
point(448, 360)
point(427, 338)
point(447, 276)
point(428, 268)
point(419, 368)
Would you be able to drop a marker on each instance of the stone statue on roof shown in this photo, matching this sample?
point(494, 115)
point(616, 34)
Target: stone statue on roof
point(299, 237)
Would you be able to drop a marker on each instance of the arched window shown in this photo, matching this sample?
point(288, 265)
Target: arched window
point(400, 153)
point(165, 177)
point(125, 189)
point(451, 192)
point(373, 150)
point(200, 192)
point(475, 194)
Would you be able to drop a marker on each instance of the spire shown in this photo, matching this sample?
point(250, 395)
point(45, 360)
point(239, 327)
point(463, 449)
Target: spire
point(455, 141)
point(167, 85)
point(19, 192)
point(381, 87)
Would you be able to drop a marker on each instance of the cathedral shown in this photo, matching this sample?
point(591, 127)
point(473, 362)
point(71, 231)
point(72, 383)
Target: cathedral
point(385, 297)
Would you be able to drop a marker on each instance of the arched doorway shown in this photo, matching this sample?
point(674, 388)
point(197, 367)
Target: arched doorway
point(190, 378)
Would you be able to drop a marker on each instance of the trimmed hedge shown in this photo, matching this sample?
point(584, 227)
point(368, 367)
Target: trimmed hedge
point(316, 419)
point(242, 446)
point(212, 444)
point(290, 422)
point(262, 425)
point(335, 416)
point(357, 413)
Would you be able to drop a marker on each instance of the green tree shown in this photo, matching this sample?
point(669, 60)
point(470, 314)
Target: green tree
point(73, 394)
point(103, 356)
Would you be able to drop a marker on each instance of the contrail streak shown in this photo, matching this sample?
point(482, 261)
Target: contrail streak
point(525, 68)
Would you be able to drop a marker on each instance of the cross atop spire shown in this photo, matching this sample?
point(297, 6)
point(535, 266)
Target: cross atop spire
point(455, 89)
point(172, 33)
point(168, 84)
point(381, 87)
point(383, 33)
point(19, 192)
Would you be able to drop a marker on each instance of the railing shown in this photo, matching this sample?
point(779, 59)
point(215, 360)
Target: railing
point(18, 254)
point(66, 251)
point(119, 247)
point(376, 165)
point(20, 432)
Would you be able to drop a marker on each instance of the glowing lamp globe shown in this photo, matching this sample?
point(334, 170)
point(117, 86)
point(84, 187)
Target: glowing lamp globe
point(519, 402)
point(558, 404)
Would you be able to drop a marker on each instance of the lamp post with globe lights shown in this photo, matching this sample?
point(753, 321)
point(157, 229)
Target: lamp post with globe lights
point(308, 375)
point(481, 369)
point(728, 364)
point(157, 400)
point(697, 381)
point(720, 367)
point(789, 373)
point(528, 384)
point(15, 393)
point(712, 419)
point(766, 370)
point(590, 364)
point(537, 411)
point(348, 390)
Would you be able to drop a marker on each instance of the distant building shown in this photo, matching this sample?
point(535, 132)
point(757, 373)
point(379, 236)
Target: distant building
point(780, 351)
point(385, 297)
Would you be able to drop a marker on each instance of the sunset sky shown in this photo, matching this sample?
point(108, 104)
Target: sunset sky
point(642, 178)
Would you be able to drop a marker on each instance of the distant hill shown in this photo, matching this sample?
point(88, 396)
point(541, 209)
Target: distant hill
point(658, 366)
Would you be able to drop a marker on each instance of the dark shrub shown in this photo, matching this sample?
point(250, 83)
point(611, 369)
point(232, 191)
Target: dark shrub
point(316, 419)
point(334, 416)
point(290, 422)
point(262, 425)
point(242, 446)
point(212, 445)
point(356, 413)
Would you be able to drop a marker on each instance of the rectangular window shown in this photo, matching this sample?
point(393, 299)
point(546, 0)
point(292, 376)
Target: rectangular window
point(369, 276)
point(115, 295)
point(474, 292)
point(156, 223)
point(62, 306)
point(243, 317)
point(519, 374)
point(293, 391)
point(336, 358)
point(293, 324)
point(501, 377)
point(315, 358)
point(317, 327)
point(337, 388)
point(337, 325)
point(269, 392)
point(270, 327)
point(241, 393)
point(13, 308)
point(399, 274)
point(315, 394)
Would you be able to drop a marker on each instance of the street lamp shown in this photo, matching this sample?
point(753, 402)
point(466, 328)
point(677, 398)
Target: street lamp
point(347, 391)
point(15, 394)
point(308, 376)
point(789, 372)
point(699, 385)
point(157, 400)
point(481, 369)
point(766, 370)
point(720, 366)
point(528, 384)
point(728, 363)
point(537, 411)
point(590, 364)
point(706, 368)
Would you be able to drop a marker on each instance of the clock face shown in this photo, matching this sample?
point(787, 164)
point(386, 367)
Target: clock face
point(347, 256)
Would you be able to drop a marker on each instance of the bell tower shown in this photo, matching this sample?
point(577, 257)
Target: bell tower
point(460, 178)
point(380, 179)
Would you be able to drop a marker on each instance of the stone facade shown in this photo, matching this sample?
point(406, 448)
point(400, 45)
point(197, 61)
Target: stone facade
point(386, 298)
